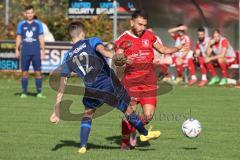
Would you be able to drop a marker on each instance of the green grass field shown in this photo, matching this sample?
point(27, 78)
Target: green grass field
point(26, 134)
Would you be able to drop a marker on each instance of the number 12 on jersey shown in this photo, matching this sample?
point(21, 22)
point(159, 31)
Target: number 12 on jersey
point(80, 60)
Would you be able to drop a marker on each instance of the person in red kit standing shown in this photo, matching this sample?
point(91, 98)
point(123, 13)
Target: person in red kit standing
point(220, 50)
point(180, 36)
point(139, 76)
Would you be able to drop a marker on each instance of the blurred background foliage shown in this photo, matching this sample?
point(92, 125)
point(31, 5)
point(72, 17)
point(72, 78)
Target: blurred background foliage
point(54, 14)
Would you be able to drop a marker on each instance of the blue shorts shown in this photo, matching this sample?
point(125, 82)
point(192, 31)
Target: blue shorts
point(26, 61)
point(106, 90)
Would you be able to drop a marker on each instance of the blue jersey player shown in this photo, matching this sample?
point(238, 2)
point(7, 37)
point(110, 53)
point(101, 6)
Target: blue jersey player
point(30, 48)
point(86, 59)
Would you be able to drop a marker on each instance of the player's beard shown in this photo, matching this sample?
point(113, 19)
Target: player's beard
point(200, 40)
point(138, 33)
point(30, 19)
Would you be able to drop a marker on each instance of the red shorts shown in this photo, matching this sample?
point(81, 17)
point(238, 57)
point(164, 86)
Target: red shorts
point(144, 94)
point(146, 100)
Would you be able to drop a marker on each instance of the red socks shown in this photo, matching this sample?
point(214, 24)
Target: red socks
point(211, 69)
point(223, 67)
point(202, 65)
point(191, 66)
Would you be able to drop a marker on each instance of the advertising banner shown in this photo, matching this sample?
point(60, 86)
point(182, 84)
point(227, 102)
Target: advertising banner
point(53, 56)
point(87, 8)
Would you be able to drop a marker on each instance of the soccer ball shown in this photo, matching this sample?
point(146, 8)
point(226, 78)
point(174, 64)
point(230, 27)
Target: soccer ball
point(191, 128)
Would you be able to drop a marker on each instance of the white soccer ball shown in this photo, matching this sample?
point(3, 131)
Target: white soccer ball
point(191, 128)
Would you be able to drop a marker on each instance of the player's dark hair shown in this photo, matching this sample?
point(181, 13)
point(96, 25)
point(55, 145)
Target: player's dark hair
point(179, 25)
point(139, 13)
point(28, 7)
point(217, 30)
point(183, 31)
point(75, 28)
point(201, 29)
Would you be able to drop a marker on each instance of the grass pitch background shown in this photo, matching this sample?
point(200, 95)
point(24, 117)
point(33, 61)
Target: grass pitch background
point(26, 133)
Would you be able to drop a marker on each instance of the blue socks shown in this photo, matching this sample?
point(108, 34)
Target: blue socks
point(24, 85)
point(137, 123)
point(38, 82)
point(85, 130)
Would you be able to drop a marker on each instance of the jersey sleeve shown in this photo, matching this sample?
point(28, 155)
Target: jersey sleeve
point(19, 28)
point(65, 71)
point(225, 43)
point(152, 37)
point(94, 42)
point(40, 31)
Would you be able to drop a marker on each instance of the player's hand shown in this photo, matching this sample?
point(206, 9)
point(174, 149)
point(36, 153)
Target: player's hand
point(166, 60)
point(212, 42)
point(183, 47)
point(17, 54)
point(55, 117)
point(207, 59)
point(119, 59)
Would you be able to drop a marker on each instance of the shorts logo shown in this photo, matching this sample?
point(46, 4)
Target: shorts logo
point(145, 42)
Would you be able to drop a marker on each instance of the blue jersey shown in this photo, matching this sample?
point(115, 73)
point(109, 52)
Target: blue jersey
point(30, 33)
point(101, 84)
point(84, 60)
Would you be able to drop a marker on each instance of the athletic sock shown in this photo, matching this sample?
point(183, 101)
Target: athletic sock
point(126, 130)
point(202, 66)
point(24, 85)
point(194, 77)
point(38, 82)
point(85, 130)
point(211, 69)
point(191, 67)
point(137, 123)
point(204, 77)
point(223, 67)
point(179, 70)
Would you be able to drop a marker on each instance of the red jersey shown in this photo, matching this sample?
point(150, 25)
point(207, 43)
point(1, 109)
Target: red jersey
point(139, 76)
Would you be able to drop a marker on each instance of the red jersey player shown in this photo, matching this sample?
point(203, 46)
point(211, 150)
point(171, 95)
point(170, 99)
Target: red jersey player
point(221, 50)
point(139, 77)
point(179, 35)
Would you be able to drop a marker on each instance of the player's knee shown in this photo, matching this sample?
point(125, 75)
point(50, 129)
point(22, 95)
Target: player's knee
point(24, 74)
point(221, 60)
point(38, 74)
point(89, 113)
